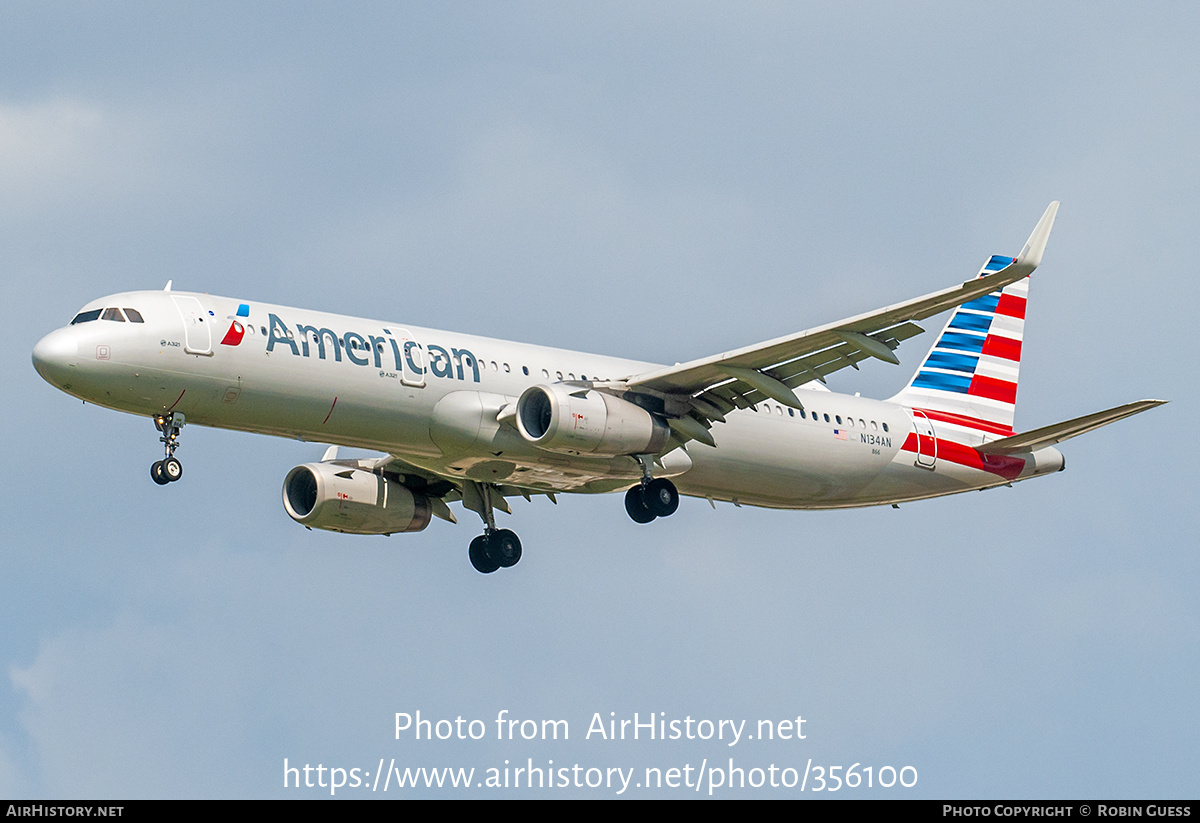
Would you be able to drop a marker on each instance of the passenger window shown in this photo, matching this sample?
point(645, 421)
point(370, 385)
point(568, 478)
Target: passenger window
point(113, 314)
point(87, 316)
point(134, 316)
point(826, 418)
point(839, 419)
point(885, 428)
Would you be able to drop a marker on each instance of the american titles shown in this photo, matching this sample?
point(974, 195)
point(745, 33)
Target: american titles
point(384, 351)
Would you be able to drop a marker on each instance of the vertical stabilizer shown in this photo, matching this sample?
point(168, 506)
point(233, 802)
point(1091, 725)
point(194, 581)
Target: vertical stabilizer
point(969, 377)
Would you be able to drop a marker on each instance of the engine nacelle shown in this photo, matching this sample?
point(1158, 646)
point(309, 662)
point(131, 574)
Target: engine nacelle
point(354, 501)
point(560, 418)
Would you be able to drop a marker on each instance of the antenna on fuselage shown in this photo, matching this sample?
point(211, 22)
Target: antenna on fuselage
point(168, 286)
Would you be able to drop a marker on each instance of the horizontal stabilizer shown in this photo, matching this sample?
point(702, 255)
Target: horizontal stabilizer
point(1058, 432)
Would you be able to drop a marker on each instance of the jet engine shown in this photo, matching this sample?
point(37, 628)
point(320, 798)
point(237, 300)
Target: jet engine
point(354, 501)
point(560, 418)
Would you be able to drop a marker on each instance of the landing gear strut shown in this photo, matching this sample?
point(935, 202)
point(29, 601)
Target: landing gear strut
point(652, 498)
point(495, 548)
point(169, 469)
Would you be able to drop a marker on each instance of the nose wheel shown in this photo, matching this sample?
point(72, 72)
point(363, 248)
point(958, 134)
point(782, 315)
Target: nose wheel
point(169, 469)
point(166, 471)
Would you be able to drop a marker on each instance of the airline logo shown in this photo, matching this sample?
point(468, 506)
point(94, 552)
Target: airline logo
point(979, 353)
point(237, 331)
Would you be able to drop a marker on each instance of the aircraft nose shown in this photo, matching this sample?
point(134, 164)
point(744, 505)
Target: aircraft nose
point(55, 355)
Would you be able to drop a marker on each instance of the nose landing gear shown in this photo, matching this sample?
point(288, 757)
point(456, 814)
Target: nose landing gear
point(169, 469)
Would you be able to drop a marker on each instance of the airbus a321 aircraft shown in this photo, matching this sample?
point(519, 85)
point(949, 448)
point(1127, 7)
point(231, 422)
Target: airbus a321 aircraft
point(470, 419)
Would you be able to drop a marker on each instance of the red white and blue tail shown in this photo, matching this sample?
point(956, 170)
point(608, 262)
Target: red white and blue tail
point(969, 377)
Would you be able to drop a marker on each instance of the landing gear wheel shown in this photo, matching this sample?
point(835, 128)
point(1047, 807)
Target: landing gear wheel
point(172, 469)
point(635, 505)
point(157, 474)
point(495, 548)
point(661, 497)
point(504, 548)
point(479, 555)
point(169, 468)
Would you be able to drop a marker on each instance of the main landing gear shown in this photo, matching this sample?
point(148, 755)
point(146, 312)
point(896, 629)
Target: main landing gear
point(651, 498)
point(495, 548)
point(169, 469)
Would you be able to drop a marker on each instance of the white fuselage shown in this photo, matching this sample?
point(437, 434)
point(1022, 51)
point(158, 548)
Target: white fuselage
point(431, 398)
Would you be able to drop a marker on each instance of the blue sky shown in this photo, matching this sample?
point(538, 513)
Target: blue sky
point(655, 181)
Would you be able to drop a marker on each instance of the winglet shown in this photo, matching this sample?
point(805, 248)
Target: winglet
point(1031, 256)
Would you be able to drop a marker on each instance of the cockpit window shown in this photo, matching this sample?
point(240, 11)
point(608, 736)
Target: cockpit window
point(110, 313)
point(87, 316)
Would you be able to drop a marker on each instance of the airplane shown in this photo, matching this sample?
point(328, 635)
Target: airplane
point(462, 418)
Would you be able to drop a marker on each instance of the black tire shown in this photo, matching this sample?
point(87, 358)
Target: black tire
point(661, 497)
point(635, 505)
point(157, 474)
point(479, 556)
point(504, 548)
point(172, 469)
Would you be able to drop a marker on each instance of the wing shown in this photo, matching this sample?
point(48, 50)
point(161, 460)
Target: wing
point(701, 391)
point(439, 489)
